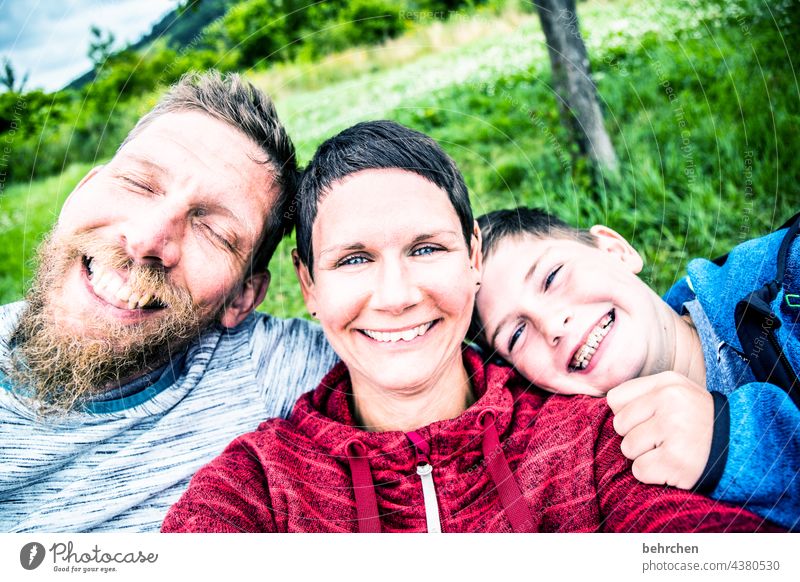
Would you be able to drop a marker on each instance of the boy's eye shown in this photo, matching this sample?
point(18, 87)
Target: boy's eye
point(514, 337)
point(352, 260)
point(549, 280)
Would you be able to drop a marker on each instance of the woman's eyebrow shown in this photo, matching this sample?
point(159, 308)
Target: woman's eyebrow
point(357, 246)
point(434, 234)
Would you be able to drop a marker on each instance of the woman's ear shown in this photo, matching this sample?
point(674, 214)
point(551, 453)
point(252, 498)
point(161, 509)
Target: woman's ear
point(614, 243)
point(475, 255)
point(306, 283)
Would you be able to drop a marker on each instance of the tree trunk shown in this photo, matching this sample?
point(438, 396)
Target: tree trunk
point(572, 80)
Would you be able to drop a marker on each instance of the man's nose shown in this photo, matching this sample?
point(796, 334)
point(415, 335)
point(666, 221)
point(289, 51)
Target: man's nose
point(394, 290)
point(153, 238)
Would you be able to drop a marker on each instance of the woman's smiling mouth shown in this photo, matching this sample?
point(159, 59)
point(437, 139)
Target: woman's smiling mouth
point(584, 353)
point(406, 335)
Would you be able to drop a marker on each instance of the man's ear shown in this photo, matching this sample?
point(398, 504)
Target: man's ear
point(306, 283)
point(89, 175)
point(612, 242)
point(249, 297)
point(475, 254)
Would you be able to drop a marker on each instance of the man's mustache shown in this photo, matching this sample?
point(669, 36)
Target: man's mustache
point(143, 278)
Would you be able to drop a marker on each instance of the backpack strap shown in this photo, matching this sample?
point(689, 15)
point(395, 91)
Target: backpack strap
point(756, 325)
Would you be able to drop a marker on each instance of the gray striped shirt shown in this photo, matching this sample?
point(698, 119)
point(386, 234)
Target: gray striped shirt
point(121, 466)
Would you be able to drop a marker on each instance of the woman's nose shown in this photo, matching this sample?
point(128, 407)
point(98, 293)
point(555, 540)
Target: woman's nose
point(395, 290)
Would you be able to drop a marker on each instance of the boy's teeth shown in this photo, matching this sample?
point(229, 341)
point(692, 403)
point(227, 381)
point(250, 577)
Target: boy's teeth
point(396, 336)
point(584, 354)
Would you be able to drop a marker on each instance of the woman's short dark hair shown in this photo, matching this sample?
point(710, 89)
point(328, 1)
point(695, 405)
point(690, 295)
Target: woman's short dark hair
point(374, 145)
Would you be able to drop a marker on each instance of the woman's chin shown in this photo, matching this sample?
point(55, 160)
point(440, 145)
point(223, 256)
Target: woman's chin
point(399, 379)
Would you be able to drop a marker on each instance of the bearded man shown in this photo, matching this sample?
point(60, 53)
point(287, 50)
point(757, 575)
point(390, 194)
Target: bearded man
point(137, 355)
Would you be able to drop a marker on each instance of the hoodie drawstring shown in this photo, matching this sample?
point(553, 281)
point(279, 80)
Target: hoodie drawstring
point(363, 487)
point(514, 504)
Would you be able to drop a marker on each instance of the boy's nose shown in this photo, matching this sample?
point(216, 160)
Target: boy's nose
point(553, 324)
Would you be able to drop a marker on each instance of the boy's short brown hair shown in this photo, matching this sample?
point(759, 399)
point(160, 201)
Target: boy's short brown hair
point(500, 224)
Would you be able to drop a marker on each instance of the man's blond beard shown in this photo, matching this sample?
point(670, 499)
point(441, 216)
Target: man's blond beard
point(57, 368)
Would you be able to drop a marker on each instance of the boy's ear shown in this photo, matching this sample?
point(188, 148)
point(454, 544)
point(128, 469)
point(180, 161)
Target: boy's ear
point(249, 297)
point(612, 242)
point(475, 254)
point(89, 175)
point(306, 283)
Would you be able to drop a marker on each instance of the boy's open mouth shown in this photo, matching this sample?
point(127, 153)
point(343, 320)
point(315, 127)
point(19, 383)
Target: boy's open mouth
point(583, 355)
point(109, 286)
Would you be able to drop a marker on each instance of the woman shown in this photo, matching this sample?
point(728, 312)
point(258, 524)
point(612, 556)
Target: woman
point(412, 431)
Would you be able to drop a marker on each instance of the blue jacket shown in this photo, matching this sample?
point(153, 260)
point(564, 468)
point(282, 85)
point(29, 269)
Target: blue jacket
point(762, 471)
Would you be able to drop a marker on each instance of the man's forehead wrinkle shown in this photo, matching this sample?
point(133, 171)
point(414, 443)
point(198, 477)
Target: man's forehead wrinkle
point(126, 157)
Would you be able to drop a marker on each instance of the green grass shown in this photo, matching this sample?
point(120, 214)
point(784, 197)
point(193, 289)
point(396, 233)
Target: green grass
point(485, 95)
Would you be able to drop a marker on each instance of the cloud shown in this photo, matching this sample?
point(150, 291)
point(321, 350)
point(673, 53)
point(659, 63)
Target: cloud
point(51, 39)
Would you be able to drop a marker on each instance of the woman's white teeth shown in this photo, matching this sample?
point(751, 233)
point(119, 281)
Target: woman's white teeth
point(395, 336)
point(583, 355)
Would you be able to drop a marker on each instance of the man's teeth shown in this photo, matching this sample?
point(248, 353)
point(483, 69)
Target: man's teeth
point(583, 355)
point(113, 289)
point(395, 336)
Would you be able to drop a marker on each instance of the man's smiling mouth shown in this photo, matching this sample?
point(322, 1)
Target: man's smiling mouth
point(405, 335)
point(585, 352)
point(109, 286)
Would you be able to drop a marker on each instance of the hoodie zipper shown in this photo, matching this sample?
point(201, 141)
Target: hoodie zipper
point(425, 472)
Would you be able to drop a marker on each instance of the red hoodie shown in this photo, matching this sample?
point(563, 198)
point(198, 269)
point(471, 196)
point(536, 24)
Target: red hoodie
point(517, 460)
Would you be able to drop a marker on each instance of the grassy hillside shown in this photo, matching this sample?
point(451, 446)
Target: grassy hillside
point(701, 101)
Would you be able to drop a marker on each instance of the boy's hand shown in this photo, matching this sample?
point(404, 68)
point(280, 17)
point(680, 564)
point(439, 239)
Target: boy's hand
point(666, 422)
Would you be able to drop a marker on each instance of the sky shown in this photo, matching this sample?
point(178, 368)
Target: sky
point(49, 39)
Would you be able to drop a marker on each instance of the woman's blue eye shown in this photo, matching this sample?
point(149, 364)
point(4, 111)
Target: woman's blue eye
point(425, 250)
point(354, 260)
point(515, 337)
point(550, 277)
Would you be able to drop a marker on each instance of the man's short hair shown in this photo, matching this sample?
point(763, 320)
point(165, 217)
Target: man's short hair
point(234, 101)
point(516, 222)
point(376, 145)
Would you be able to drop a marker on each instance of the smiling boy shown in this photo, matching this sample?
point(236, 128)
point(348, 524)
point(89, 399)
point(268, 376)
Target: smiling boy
point(566, 308)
